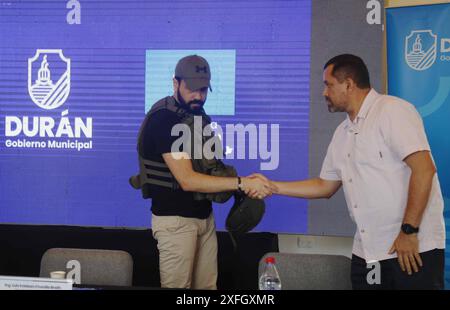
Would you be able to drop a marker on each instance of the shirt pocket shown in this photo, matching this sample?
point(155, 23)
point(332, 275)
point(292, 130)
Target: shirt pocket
point(368, 152)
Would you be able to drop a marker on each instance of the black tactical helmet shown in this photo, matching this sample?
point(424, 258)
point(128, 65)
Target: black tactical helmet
point(245, 214)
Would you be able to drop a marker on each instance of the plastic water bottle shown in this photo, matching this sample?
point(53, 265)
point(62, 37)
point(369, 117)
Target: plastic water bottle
point(270, 279)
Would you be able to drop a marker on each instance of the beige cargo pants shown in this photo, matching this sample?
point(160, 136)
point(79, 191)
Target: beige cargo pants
point(187, 251)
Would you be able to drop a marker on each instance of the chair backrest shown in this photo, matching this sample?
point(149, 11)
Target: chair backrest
point(311, 271)
point(97, 267)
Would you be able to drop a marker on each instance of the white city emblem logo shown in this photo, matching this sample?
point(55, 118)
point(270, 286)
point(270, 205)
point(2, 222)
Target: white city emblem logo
point(420, 49)
point(43, 91)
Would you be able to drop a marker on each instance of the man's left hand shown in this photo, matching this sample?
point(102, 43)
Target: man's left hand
point(407, 248)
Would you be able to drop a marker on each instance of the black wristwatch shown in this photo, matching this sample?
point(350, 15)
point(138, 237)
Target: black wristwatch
point(409, 229)
point(240, 184)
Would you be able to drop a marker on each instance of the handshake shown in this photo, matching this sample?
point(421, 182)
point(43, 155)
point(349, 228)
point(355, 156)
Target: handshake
point(257, 186)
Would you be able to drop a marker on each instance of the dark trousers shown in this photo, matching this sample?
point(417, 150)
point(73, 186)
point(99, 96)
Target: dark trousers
point(391, 276)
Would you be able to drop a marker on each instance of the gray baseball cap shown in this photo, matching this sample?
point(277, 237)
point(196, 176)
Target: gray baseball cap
point(194, 70)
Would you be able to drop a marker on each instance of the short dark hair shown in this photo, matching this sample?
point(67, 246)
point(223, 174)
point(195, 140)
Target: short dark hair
point(350, 66)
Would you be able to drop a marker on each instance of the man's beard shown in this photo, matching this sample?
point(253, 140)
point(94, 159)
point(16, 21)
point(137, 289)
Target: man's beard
point(190, 105)
point(332, 108)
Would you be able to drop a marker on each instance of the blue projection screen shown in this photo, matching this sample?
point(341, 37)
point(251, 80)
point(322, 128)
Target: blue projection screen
point(76, 78)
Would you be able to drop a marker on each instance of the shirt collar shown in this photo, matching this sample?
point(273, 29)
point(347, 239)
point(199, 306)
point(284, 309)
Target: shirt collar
point(367, 103)
point(365, 107)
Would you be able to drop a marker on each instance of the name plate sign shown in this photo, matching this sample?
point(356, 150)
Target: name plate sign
point(33, 283)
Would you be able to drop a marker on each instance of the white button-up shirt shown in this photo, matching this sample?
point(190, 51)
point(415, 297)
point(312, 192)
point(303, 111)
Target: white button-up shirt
point(367, 156)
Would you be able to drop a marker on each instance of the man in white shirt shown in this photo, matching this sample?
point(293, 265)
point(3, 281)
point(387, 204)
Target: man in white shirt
point(381, 157)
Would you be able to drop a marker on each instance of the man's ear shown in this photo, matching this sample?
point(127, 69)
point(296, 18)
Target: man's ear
point(175, 85)
point(350, 84)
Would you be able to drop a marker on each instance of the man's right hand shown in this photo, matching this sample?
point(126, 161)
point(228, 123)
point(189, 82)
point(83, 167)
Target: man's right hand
point(309, 189)
point(257, 187)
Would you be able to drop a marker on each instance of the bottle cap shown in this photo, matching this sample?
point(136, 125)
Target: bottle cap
point(270, 259)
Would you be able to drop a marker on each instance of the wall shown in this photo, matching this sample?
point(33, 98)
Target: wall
point(344, 26)
point(337, 27)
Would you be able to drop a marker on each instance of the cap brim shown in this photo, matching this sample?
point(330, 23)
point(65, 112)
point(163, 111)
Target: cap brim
point(196, 84)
